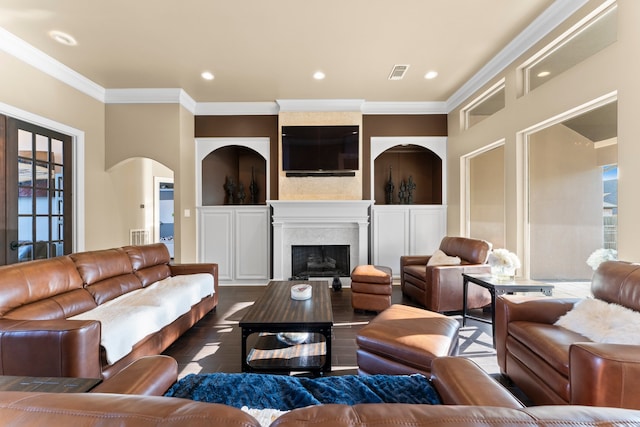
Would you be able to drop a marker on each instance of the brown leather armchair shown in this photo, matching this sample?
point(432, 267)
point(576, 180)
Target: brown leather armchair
point(439, 287)
point(554, 365)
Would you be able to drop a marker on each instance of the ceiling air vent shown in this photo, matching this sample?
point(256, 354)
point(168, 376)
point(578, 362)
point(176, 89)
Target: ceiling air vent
point(398, 72)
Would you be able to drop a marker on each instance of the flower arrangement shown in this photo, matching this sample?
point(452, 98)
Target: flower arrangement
point(601, 255)
point(503, 264)
point(504, 258)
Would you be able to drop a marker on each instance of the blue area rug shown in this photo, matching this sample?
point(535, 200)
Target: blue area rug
point(284, 393)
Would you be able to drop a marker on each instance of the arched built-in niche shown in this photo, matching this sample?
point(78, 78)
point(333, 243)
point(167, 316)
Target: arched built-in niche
point(422, 158)
point(240, 159)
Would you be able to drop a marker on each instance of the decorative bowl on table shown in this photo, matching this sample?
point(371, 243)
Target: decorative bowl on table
point(301, 292)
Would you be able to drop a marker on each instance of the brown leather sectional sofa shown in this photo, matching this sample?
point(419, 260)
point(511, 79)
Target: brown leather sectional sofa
point(38, 297)
point(439, 287)
point(553, 365)
point(470, 397)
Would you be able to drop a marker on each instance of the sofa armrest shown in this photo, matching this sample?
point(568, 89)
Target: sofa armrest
point(55, 348)
point(414, 260)
point(538, 309)
point(178, 269)
point(604, 374)
point(149, 376)
point(459, 381)
point(411, 260)
point(193, 268)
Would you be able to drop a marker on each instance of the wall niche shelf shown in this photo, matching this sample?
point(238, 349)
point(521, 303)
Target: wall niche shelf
point(232, 234)
point(227, 169)
point(408, 164)
point(403, 228)
point(422, 158)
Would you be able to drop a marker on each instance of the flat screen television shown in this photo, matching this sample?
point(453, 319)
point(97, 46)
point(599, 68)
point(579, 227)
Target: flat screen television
point(318, 149)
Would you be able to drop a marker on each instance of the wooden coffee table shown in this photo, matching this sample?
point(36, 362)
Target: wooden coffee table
point(276, 312)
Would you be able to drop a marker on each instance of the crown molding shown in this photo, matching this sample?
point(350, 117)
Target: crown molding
point(36, 58)
point(316, 105)
point(549, 19)
point(151, 96)
point(236, 109)
point(404, 108)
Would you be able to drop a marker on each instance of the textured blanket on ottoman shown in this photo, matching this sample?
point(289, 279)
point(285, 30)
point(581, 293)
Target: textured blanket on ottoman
point(284, 393)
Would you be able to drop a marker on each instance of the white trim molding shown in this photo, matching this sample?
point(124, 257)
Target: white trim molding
point(236, 109)
point(36, 58)
point(553, 16)
point(298, 105)
point(404, 108)
point(151, 96)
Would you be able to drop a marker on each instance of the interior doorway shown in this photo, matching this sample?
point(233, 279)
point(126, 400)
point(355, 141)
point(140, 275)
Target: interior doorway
point(164, 212)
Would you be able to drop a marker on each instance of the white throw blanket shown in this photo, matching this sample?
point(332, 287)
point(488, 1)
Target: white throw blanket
point(131, 317)
point(603, 322)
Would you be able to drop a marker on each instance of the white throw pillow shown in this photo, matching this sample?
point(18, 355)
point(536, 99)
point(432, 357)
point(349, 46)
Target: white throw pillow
point(440, 258)
point(603, 322)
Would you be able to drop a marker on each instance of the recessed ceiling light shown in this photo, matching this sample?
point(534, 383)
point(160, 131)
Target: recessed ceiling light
point(63, 38)
point(319, 75)
point(207, 75)
point(543, 73)
point(431, 75)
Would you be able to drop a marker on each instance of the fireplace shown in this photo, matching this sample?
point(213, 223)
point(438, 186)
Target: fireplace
point(319, 261)
point(322, 223)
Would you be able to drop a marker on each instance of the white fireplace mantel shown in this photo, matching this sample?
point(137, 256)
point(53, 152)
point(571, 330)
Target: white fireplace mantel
point(318, 222)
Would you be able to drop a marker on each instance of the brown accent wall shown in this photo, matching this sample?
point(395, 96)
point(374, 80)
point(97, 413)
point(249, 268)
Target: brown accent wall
point(244, 126)
point(372, 125)
point(396, 125)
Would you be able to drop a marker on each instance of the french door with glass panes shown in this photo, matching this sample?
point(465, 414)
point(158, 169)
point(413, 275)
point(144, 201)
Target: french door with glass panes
point(37, 192)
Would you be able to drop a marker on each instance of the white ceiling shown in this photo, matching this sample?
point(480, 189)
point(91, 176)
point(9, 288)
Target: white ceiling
point(268, 50)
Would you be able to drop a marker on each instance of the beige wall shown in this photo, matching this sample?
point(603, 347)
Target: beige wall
point(616, 68)
point(486, 184)
point(36, 93)
point(164, 133)
point(185, 191)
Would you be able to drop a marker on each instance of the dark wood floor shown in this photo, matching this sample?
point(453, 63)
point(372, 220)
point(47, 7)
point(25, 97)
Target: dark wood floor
point(213, 344)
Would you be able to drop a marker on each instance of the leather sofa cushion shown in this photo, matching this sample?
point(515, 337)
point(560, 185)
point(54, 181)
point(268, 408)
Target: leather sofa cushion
point(150, 262)
point(550, 343)
point(410, 336)
point(56, 307)
point(111, 410)
point(617, 282)
point(107, 274)
point(473, 251)
point(371, 274)
point(56, 276)
point(95, 266)
point(398, 414)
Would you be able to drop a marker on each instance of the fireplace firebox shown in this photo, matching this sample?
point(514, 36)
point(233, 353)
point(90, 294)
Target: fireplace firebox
point(320, 261)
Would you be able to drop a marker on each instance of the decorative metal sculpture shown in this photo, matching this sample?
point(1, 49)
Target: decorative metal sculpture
point(230, 188)
point(253, 189)
point(402, 193)
point(388, 189)
point(241, 194)
point(410, 187)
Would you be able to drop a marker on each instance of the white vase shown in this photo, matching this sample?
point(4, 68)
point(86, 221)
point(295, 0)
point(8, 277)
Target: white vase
point(503, 272)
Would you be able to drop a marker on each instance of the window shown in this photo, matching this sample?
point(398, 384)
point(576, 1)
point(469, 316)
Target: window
point(572, 192)
point(490, 102)
point(587, 38)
